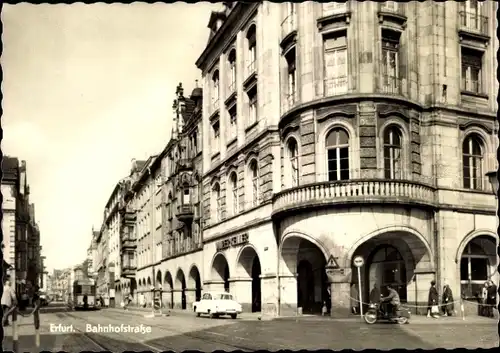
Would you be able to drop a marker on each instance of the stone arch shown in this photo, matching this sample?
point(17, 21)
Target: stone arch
point(466, 240)
point(180, 279)
point(194, 279)
point(388, 230)
point(219, 270)
point(168, 287)
point(289, 247)
point(168, 281)
point(407, 264)
point(158, 282)
point(303, 259)
point(248, 266)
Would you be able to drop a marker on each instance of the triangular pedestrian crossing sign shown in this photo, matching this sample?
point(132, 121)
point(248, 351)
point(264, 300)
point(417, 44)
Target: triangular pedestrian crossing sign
point(332, 263)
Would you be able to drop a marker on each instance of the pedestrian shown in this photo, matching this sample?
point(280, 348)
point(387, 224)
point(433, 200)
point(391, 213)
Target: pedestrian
point(354, 299)
point(9, 302)
point(142, 300)
point(375, 294)
point(432, 303)
point(491, 301)
point(448, 305)
point(483, 297)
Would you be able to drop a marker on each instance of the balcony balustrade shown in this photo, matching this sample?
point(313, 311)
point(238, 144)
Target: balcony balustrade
point(215, 105)
point(392, 7)
point(184, 164)
point(335, 86)
point(335, 8)
point(353, 191)
point(128, 243)
point(185, 213)
point(473, 22)
point(391, 85)
point(251, 68)
point(472, 86)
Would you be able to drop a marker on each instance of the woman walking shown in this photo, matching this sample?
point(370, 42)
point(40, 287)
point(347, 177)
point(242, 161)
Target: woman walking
point(433, 309)
point(448, 306)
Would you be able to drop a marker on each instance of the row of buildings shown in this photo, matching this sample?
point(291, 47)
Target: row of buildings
point(323, 131)
point(23, 263)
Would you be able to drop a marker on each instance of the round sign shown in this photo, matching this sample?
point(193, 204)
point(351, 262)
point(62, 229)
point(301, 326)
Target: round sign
point(358, 261)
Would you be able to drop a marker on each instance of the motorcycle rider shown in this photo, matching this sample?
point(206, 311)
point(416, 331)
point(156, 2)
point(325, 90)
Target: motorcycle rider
point(393, 299)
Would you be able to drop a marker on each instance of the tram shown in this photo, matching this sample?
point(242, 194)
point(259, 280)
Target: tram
point(84, 294)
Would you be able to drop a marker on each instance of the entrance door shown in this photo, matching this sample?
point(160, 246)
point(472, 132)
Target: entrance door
point(305, 286)
point(256, 286)
point(387, 267)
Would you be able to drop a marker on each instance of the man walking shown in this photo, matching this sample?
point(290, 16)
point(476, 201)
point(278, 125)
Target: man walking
point(491, 301)
point(9, 302)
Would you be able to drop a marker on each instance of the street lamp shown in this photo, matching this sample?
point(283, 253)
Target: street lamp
point(493, 179)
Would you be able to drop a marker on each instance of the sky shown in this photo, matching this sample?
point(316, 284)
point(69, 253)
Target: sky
point(86, 89)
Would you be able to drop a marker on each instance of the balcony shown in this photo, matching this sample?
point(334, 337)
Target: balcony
point(185, 213)
point(391, 85)
point(335, 86)
point(392, 12)
point(129, 268)
point(334, 14)
point(128, 243)
point(473, 26)
point(353, 191)
point(184, 165)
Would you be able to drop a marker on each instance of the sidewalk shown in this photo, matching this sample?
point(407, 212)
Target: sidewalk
point(187, 312)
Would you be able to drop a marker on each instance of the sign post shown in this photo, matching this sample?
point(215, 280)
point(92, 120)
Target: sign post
point(358, 262)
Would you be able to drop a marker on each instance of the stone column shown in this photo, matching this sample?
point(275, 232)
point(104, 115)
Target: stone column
point(288, 295)
point(215, 286)
point(340, 281)
point(177, 298)
point(269, 294)
point(421, 295)
point(241, 288)
point(166, 299)
point(190, 297)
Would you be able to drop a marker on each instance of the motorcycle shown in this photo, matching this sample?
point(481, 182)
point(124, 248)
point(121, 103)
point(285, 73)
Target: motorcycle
point(376, 313)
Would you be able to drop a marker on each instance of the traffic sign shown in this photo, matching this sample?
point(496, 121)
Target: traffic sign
point(332, 263)
point(358, 261)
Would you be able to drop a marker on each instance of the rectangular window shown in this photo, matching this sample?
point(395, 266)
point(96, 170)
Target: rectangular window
point(479, 269)
point(390, 62)
point(338, 163)
point(252, 106)
point(471, 70)
point(335, 64)
point(332, 8)
point(472, 170)
point(291, 59)
point(215, 137)
point(471, 16)
point(233, 124)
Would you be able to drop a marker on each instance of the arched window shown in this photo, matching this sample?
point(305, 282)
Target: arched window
point(392, 153)
point(477, 264)
point(233, 194)
point(232, 70)
point(252, 49)
point(215, 84)
point(473, 162)
point(254, 178)
point(293, 161)
point(216, 197)
point(337, 147)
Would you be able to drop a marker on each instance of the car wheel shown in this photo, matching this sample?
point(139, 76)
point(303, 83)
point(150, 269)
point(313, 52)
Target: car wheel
point(234, 316)
point(210, 314)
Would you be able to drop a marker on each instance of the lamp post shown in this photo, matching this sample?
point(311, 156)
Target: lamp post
point(493, 179)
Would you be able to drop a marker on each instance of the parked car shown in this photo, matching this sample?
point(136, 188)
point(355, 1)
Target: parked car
point(216, 304)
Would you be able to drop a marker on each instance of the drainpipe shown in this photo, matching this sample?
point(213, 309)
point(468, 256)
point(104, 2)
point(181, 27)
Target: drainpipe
point(278, 280)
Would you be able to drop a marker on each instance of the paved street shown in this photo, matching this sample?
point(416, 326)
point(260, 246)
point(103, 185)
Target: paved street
point(181, 332)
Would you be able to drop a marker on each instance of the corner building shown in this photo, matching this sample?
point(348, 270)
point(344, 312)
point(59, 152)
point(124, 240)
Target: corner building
point(344, 129)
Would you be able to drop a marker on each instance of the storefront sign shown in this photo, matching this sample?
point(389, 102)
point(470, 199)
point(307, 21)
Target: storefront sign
point(233, 241)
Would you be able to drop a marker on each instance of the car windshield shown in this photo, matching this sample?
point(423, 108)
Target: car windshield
point(226, 297)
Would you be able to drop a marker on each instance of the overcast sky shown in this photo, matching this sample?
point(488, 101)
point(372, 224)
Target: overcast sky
point(86, 89)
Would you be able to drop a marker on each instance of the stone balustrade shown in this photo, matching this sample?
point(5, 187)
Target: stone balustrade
point(354, 191)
